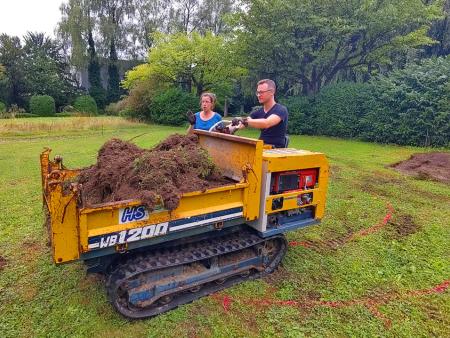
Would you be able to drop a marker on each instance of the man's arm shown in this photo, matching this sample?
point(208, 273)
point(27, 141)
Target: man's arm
point(271, 121)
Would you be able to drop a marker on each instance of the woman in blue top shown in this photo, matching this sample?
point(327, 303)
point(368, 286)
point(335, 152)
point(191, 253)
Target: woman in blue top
point(205, 118)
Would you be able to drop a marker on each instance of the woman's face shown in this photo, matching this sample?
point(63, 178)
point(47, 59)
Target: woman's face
point(206, 103)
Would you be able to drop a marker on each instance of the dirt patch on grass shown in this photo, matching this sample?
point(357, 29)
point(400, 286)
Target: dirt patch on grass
point(278, 276)
point(31, 250)
point(335, 171)
point(124, 171)
point(427, 166)
point(3, 263)
point(402, 226)
point(377, 183)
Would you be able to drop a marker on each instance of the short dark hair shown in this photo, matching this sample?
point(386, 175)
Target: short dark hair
point(270, 83)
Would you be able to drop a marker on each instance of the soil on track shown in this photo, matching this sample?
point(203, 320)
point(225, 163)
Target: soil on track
point(432, 166)
point(124, 171)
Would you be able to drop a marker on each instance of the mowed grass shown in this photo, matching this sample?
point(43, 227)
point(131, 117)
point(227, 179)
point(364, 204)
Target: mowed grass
point(68, 125)
point(371, 284)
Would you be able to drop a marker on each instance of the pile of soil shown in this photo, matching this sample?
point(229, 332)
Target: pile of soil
point(432, 166)
point(124, 171)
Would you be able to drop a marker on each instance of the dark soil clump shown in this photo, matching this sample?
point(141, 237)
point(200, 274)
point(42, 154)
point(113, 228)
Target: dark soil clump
point(403, 226)
point(2, 263)
point(430, 166)
point(124, 171)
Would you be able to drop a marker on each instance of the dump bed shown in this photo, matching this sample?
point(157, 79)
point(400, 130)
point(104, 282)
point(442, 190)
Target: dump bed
point(84, 232)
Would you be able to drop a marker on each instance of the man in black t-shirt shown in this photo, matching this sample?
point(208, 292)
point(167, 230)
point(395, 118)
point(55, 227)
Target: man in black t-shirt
point(272, 118)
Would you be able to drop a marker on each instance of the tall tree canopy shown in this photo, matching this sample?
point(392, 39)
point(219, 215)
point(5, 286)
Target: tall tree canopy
point(11, 57)
point(46, 68)
point(37, 67)
point(113, 29)
point(129, 24)
point(192, 61)
point(305, 44)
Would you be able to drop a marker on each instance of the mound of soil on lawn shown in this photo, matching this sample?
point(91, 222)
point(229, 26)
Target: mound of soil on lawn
point(432, 166)
point(124, 171)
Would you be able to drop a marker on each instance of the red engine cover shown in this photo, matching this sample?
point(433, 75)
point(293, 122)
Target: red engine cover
point(293, 180)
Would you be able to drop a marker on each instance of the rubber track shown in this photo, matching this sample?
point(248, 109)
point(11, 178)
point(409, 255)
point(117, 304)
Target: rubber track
point(181, 255)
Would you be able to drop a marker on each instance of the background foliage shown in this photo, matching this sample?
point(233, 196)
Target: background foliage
point(170, 107)
point(409, 106)
point(85, 104)
point(42, 105)
point(345, 68)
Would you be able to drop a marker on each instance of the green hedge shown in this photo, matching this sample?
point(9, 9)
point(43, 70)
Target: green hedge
point(407, 107)
point(2, 107)
point(42, 105)
point(170, 107)
point(415, 106)
point(85, 104)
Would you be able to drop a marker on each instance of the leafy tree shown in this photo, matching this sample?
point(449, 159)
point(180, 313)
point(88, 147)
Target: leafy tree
point(409, 106)
point(170, 107)
point(440, 31)
point(150, 17)
point(213, 15)
point(85, 104)
point(304, 45)
point(42, 105)
point(2, 107)
point(47, 70)
point(3, 83)
point(112, 14)
point(2, 72)
point(12, 86)
point(77, 29)
point(415, 105)
point(193, 62)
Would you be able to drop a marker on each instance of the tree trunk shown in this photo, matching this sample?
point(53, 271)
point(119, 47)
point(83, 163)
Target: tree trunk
point(225, 108)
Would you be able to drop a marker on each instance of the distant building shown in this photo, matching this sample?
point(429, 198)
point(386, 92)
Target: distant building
point(124, 66)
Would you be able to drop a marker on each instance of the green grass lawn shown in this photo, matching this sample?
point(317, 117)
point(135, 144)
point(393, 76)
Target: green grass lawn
point(373, 284)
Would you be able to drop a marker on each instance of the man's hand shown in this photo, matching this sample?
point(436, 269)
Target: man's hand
point(191, 117)
point(237, 120)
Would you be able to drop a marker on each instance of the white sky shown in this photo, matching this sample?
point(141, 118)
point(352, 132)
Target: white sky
point(17, 17)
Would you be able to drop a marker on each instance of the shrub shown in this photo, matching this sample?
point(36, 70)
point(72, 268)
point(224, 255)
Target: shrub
point(116, 107)
point(408, 107)
point(301, 115)
point(141, 94)
point(68, 109)
point(339, 108)
point(415, 106)
point(2, 107)
point(85, 104)
point(25, 115)
point(65, 114)
point(42, 105)
point(170, 106)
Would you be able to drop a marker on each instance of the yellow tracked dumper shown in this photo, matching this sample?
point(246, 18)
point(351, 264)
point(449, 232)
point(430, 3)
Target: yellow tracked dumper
point(156, 261)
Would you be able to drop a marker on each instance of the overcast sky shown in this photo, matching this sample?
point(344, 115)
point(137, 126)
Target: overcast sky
point(20, 16)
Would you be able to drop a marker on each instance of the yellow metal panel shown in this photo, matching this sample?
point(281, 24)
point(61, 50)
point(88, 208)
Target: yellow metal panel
point(62, 208)
point(239, 158)
point(321, 195)
point(293, 159)
point(64, 226)
point(105, 218)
